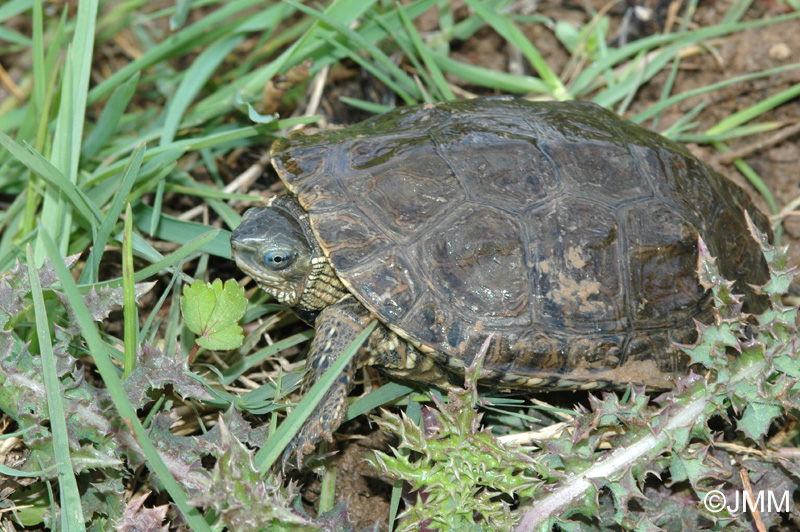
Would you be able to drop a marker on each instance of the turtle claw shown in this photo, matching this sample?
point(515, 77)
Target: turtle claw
point(323, 421)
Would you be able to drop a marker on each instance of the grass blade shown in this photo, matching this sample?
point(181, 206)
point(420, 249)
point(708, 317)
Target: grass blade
point(199, 33)
point(193, 80)
point(383, 395)
point(71, 510)
point(370, 107)
point(112, 215)
point(109, 117)
point(509, 31)
point(236, 370)
point(56, 217)
point(754, 179)
point(661, 105)
point(740, 117)
point(83, 47)
point(354, 37)
point(493, 79)
point(178, 256)
point(13, 473)
point(39, 73)
point(587, 79)
point(35, 162)
point(53, 215)
point(440, 83)
point(172, 229)
point(129, 309)
point(14, 7)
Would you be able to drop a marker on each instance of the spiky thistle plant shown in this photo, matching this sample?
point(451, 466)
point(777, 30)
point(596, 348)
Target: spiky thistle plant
point(463, 470)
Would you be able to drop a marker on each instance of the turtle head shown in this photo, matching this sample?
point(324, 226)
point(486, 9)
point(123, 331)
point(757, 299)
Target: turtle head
point(276, 247)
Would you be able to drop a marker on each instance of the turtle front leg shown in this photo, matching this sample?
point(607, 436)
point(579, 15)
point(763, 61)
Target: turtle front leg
point(337, 327)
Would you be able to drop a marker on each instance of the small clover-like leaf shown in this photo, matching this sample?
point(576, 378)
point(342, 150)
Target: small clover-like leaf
point(212, 312)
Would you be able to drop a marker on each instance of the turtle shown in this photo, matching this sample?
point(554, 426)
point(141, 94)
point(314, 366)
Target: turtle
point(566, 233)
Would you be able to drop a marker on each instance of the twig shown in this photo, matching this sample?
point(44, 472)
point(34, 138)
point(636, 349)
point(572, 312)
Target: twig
point(753, 509)
point(759, 145)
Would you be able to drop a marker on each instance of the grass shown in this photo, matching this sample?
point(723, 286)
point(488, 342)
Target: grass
point(108, 137)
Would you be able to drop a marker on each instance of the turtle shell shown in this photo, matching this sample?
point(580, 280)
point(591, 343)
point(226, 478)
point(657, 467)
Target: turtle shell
point(568, 234)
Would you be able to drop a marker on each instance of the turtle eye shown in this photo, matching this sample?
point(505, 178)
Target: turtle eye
point(278, 260)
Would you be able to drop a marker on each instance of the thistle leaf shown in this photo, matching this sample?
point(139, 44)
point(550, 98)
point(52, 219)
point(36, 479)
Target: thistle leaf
point(757, 418)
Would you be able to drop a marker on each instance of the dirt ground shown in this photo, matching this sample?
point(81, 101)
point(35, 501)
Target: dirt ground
point(742, 53)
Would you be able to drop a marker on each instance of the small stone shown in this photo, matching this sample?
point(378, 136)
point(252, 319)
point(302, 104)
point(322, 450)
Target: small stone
point(780, 51)
point(792, 226)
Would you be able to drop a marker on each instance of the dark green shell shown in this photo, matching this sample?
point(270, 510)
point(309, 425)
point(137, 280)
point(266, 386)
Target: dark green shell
point(568, 233)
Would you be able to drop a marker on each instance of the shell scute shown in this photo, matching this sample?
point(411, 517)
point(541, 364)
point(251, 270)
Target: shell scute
point(497, 167)
point(662, 260)
point(392, 289)
point(686, 184)
point(348, 239)
point(405, 195)
point(475, 261)
point(429, 323)
point(600, 170)
point(576, 263)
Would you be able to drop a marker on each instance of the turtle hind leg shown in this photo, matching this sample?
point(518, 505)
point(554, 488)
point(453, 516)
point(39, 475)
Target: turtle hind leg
point(337, 327)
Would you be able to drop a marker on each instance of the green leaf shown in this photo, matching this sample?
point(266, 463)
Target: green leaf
point(212, 312)
point(571, 37)
point(567, 34)
point(757, 418)
point(251, 112)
